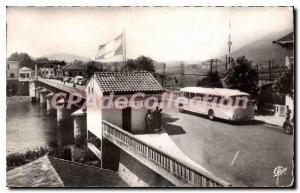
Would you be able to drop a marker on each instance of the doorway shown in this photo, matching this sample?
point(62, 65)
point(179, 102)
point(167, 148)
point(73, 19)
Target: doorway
point(126, 119)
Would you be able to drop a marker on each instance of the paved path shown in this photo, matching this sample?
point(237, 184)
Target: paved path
point(244, 155)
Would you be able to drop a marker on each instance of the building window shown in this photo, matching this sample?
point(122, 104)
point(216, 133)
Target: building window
point(12, 75)
point(8, 66)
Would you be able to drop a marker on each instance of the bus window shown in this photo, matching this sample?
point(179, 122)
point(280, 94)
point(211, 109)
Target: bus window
point(199, 96)
point(209, 98)
point(192, 95)
point(186, 94)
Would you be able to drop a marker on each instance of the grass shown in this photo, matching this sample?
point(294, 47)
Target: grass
point(17, 159)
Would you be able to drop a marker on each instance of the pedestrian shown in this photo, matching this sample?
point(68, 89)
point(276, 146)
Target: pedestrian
point(149, 121)
point(159, 119)
point(156, 115)
point(288, 113)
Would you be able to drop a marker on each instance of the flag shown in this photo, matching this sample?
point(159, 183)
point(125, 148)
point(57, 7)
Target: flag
point(111, 51)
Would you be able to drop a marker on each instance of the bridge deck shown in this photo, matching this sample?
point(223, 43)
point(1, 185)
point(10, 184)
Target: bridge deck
point(79, 90)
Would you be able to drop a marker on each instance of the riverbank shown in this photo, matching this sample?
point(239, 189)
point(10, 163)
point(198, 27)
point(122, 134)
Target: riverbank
point(17, 99)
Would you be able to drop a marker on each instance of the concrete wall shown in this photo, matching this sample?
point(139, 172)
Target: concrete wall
point(138, 119)
point(113, 116)
point(94, 112)
point(136, 174)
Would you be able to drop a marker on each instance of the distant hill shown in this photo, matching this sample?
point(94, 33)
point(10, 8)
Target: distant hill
point(66, 57)
point(263, 50)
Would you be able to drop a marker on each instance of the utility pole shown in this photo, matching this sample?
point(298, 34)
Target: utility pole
point(229, 44)
point(226, 67)
point(163, 75)
point(270, 71)
point(211, 65)
point(181, 74)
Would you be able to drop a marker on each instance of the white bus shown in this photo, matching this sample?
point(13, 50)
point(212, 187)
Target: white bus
point(217, 103)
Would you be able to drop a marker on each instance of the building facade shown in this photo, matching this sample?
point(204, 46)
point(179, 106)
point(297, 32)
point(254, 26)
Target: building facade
point(107, 91)
point(12, 69)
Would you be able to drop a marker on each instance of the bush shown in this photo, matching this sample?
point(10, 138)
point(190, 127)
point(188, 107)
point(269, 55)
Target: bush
point(17, 159)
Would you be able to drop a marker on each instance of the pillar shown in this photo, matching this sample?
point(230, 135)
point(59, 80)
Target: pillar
point(50, 108)
point(37, 94)
point(65, 131)
point(43, 97)
point(32, 91)
point(80, 132)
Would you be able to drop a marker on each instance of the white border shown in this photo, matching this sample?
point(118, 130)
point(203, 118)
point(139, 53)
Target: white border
point(106, 3)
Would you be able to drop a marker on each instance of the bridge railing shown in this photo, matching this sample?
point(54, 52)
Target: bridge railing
point(178, 168)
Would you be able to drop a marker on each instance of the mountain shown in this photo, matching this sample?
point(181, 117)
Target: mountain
point(66, 57)
point(263, 50)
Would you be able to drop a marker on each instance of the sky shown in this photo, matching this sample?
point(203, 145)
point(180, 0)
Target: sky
point(162, 33)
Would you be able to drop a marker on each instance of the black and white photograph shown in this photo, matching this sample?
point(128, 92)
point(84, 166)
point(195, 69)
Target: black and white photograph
point(152, 97)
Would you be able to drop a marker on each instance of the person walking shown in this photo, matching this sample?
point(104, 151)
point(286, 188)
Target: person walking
point(288, 113)
point(156, 118)
point(159, 119)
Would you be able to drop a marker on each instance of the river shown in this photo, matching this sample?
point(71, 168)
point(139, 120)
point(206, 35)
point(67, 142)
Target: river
point(28, 127)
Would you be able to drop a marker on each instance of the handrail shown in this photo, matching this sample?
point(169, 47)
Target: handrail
point(178, 168)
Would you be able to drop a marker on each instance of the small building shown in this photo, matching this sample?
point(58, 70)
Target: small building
point(287, 42)
point(25, 74)
point(74, 69)
point(12, 69)
point(50, 69)
point(107, 91)
point(49, 171)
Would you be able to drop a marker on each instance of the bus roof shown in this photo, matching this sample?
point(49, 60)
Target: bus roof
point(214, 91)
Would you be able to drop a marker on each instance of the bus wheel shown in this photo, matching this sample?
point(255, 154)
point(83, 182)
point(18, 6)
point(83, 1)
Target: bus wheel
point(211, 114)
point(288, 130)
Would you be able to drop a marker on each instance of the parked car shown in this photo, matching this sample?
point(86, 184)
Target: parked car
point(77, 79)
point(266, 109)
point(288, 127)
point(67, 79)
point(82, 82)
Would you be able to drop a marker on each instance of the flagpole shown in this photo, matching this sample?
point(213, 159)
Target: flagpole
point(124, 46)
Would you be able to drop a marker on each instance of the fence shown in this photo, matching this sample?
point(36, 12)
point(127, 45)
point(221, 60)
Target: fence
point(185, 171)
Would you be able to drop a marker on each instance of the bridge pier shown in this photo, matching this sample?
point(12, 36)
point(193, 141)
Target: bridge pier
point(65, 131)
point(32, 91)
point(80, 132)
point(37, 94)
point(43, 93)
point(50, 109)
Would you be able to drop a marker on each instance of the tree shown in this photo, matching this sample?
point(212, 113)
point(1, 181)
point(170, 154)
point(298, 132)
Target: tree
point(23, 58)
point(91, 67)
point(141, 63)
point(242, 76)
point(41, 60)
point(212, 80)
point(284, 84)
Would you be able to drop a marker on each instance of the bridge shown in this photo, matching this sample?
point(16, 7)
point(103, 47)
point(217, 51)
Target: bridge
point(138, 161)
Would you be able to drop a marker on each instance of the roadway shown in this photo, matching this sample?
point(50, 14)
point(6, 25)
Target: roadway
point(243, 154)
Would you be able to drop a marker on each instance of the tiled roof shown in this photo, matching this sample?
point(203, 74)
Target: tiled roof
point(289, 38)
point(49, 171)
point(74, 66)
point(127, 82)
point(38, 173)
